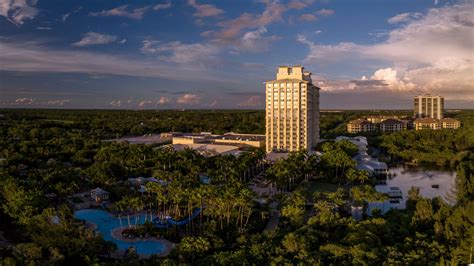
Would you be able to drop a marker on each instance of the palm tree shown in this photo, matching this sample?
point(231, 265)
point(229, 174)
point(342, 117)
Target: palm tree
point(363, 176)
point(118, 206)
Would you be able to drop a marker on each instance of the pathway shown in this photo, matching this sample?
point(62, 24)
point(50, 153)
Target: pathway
point(274, 219)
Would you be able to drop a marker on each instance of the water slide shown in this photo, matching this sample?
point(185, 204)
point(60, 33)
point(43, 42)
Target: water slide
point(167, 222)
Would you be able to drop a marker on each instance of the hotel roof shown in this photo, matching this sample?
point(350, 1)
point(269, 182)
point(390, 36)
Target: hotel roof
point(426, 120)
point(359, 121)
point(286, 80)
point(449, 119)
point(243, 137)
point(391, 122)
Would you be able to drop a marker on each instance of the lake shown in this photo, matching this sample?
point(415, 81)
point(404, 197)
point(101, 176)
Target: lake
point(405, 177)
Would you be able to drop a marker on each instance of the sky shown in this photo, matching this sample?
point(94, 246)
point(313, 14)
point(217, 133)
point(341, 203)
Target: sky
point(192, 54)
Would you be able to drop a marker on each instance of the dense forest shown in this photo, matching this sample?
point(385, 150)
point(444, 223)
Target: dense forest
point(48, 155)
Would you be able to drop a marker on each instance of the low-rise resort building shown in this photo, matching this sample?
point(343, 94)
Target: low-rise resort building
point(392, 125)
point(209, 144)
point(360, 125)
point(364, 161)
point(431, 123)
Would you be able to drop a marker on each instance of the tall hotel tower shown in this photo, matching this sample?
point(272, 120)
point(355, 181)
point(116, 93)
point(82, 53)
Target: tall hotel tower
point(292, 111)
point(428, 106)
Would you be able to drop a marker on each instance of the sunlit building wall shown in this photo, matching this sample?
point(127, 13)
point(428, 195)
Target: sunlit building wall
point(431, 106)
point(292, 111)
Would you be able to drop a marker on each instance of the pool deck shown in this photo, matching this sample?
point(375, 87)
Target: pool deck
point(168, 245)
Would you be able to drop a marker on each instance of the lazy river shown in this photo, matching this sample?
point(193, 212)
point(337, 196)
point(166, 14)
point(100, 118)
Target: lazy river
point(106, 223)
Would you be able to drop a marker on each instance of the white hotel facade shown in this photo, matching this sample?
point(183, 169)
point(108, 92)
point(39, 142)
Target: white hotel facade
point(431, 106)
point(292, 111)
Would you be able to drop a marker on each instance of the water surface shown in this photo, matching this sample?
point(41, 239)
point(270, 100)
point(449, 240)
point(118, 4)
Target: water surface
point(406, 177)
point(106, 222)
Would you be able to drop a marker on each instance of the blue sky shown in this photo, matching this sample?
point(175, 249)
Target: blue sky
point(216, 54)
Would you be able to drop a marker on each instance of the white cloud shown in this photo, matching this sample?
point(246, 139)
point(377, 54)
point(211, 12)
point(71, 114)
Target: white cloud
point(123, 11)
point(144, 104)
point(60, 102)
point(31, 102)
point(432, 53)
point(31, 56)
point(212, 104)
point(162, 6)
point(116, 103)
point(64, 17)
point(205, 10)
point(181, 53)
point(17, 11)
point(231, 29)
point(24, 101)
point(255, 41)
point(189, 99)
point(327, 53)
point(325, 12)
point(94, 38)
point(164, 100)
point(308, 17)
point(252, 102)
point(404, 17)
point(392, 79)
point(300, 4)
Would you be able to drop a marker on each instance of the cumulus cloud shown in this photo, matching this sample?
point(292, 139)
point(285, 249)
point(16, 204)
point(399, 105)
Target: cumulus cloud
point(17, 11)
point(123, 11)
point(205, 10)
point(94, 38)
point(180, 53)
point(432, 53)
point(189, 99)
point(383, 79)
point(390, 76)
point(164, 100)
point(144, 104)
point(308, 17)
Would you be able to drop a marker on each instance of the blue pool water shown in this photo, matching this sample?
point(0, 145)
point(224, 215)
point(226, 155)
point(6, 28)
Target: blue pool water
point(106, 223)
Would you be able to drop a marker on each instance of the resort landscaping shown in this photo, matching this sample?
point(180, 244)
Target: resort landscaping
point(68, 197)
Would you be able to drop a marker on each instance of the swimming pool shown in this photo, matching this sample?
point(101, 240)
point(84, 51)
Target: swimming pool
point(106, 223)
